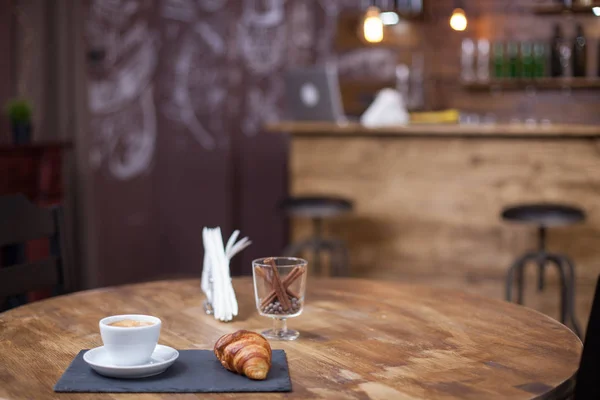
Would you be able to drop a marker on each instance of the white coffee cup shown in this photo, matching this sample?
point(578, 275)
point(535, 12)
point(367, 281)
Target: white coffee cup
point(127, 346)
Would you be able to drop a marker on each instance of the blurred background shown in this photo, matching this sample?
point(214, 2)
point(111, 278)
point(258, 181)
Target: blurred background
point(149, 116)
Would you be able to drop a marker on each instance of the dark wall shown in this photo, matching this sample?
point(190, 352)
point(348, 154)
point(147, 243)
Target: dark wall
point(6, 57)
point(179, 92)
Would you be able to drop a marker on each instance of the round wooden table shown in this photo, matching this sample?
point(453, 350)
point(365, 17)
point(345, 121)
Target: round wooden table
point(359, 340)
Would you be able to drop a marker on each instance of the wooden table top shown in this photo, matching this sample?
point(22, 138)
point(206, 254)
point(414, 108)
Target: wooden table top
point(481, 131)
point(359, 340)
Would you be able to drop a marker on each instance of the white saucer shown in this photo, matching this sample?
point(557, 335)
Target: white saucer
point(162, 358)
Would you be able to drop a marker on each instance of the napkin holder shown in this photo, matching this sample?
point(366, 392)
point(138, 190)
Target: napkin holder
point(216, 278)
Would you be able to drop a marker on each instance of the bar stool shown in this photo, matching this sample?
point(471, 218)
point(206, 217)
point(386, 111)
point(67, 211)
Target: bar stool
point(545, 216)
point(319, 208)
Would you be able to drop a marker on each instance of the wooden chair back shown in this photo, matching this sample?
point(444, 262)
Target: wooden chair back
point(21, 221)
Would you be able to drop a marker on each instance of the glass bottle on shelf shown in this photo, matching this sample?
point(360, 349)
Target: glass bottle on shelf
point(566, 59)
point(579, 53)
point(417, 82)
point(498, 64)
point(403, 82)
point(539, 60)
point(467, 60)
point(556, 68)
point(527, 70)
point(514, 67)
point(483, 59)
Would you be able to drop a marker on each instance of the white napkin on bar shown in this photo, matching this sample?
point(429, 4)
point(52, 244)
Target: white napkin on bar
point(387, 109)
point(216, 277)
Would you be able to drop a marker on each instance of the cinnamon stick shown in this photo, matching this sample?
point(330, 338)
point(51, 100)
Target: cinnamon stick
point(278, 286)
point(260, 272)
point(287, 281)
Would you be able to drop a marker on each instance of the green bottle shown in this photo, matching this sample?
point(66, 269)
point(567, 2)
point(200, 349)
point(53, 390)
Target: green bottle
point(514, 67)
point(498, 57)
point(527, 64)
point(539, 60)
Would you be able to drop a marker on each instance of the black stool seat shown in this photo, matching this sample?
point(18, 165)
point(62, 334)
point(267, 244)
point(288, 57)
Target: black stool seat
point(544, 214)
point(316, 206)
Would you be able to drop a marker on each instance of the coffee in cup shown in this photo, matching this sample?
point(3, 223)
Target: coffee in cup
point(130, 323)
point(130, 339)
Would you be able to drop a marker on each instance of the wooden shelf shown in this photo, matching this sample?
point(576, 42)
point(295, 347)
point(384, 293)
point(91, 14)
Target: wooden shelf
point(538, 83)
point(556, 9)
point(8, 148)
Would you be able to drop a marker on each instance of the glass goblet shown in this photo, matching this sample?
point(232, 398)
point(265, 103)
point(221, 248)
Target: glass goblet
point(279, 289)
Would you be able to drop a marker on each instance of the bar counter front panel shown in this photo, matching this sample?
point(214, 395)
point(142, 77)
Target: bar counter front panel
point(428, 205)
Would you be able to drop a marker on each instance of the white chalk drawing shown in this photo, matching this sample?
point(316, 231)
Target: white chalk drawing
point(262, 105)
point(263, 42)
point(212, 38)
point(212, 5)
point(301, 33)
point(126, 139)
point(133, 73)
point(118, 12)
point(179, 10)
point(374, 63)
point(198, 84)
point(302, 24)
point(327, 33)
point(120, 90)
point(187, 10)
point(202, 76)
point(261, 36)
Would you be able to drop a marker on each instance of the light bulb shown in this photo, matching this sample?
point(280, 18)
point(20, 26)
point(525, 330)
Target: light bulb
point(458, 20)
point(596, 11)
point(373, 26)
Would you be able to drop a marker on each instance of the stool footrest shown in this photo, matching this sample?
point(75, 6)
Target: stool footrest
point(566, 270)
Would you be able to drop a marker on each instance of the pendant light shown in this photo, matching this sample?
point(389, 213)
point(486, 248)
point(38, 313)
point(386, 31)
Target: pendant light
point(458, 20)
point(372, 26)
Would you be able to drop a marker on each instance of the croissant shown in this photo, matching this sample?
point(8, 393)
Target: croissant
point(246, 353)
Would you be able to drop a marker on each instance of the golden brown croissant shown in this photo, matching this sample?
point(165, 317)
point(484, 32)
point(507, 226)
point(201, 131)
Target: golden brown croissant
point(246, 353)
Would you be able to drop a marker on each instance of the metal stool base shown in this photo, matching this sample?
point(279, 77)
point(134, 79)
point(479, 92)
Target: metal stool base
point(566, 270)
point(336, 248)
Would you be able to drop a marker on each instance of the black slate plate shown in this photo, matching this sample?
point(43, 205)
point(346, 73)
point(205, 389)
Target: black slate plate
point(195, 371)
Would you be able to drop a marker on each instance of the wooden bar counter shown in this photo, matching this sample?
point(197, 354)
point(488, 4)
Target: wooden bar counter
point(428, 197)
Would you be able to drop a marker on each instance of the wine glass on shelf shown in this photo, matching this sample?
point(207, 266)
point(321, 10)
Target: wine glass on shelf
point(279, 289)
point(530, 105)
